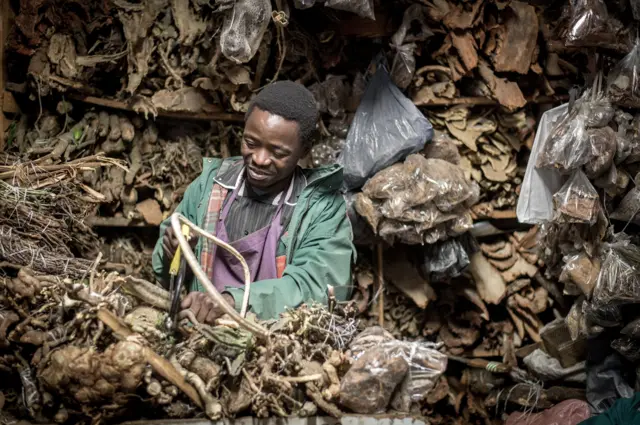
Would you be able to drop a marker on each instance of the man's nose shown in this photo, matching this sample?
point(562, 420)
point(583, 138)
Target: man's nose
point(262, 158)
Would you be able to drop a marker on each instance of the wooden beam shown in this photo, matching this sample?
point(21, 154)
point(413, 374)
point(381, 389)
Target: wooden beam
point(4, 31)
point(487, 101)
point(122, 106)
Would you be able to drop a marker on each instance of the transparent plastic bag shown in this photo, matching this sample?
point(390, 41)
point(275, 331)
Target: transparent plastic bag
point(606, 316)
point(363, 8)
point(452, 186)
point(435, 234)
point(576, 321)
point(442, 147)
point(377, 372)
point(535, 203)
point(331, 95)
point(460, 225)
point(629, 348)
point(623, 82)
point(386, 128)
point(243, 28)
point(392, 230)
point(549, 368)
point(602, 142)
point(582, 271)
point(619, 279)
point(632, 329)
point(624, 144)
point(591, 25)
point(404, 62)
point(577, 201)
point(597, 110)
point(566, 148)
point(403, 67)
point(629, 207)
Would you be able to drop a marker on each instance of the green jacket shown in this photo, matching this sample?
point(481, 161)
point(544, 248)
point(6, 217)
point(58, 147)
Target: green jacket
point(317, 242)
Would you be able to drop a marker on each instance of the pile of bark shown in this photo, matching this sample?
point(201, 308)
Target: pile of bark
point(97, 351)
point(497, 310)
point(192, 56)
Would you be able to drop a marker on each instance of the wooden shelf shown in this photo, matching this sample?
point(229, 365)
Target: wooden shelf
point(122, 106)
point(487, 101)
point(116, 222)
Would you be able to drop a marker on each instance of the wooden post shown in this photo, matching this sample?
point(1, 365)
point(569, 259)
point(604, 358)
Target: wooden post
point(4, 29)
point(7, 102)
point(380, 285)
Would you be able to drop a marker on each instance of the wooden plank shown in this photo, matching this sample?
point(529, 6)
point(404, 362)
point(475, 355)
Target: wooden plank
point(4, 30)
point(122, 106)
point(116, 222)
point(487, 101)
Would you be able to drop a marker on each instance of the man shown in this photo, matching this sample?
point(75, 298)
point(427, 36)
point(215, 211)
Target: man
point(289, 224)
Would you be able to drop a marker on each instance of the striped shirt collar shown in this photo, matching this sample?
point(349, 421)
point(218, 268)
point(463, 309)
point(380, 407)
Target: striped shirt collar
point(233, 176)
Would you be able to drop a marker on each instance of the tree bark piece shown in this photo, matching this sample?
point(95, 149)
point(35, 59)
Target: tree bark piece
point(489, 282)
point(519, 39)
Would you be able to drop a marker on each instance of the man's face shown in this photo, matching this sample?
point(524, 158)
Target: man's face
point(271, 148)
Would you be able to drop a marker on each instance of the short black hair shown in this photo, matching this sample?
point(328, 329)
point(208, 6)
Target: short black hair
point(291, 101)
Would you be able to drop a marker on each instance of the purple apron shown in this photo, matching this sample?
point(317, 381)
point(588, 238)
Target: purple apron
point(258, 249)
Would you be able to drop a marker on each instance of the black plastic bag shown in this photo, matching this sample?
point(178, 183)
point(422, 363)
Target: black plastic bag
point(447, 259)
point(387, 128)
point(608, 375)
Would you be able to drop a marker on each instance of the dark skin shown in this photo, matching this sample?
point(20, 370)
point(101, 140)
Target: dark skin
point(271, 148)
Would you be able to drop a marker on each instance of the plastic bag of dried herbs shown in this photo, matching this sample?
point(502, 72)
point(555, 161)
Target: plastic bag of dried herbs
point(591, 25)
point(577, 201)
point(623, 82)
point(619, 279)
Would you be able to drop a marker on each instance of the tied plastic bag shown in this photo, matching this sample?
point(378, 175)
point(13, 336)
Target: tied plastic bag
point(629, 207)
point(386, 128)
point(619, 279)
point(535, 203)
point(581, 271)
point(591, 25)
point(376, 374)
point(445, 260)
point(243, 28)
point(577, 201)
point(362, 8)
point(568, 412)
point(623, 82)
point(566, 148)
point(404, 62)
point(629, 348)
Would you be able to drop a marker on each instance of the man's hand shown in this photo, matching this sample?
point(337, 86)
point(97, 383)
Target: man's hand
point(204, 307)
point(170, 244)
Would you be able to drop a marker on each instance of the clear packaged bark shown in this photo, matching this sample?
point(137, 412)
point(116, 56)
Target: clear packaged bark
point(577, 201)
point(623, 82)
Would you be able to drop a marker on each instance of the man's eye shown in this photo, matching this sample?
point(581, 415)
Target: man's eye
point(249, 143)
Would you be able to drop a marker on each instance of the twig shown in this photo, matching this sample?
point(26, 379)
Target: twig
point(380, 280)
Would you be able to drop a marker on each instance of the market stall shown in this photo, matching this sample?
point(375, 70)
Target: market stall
point(489, 151)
